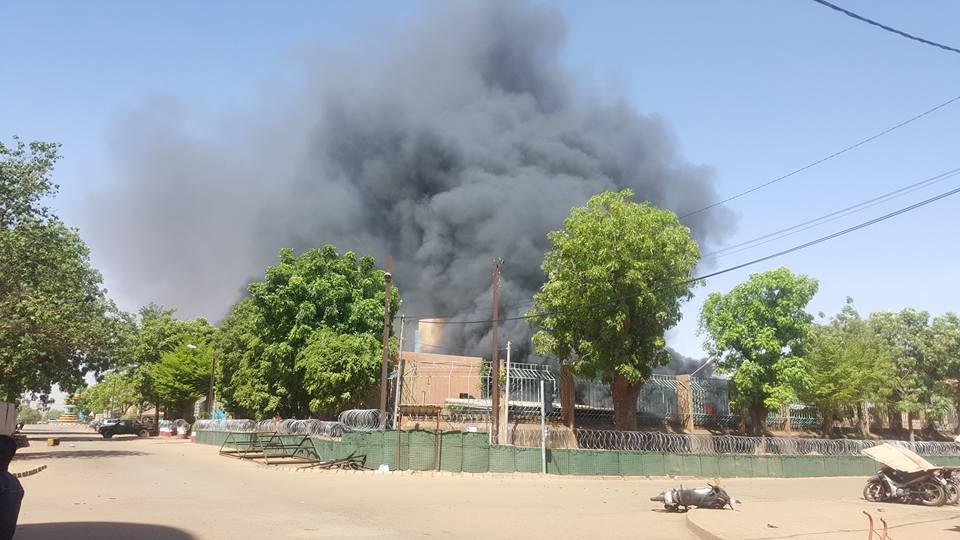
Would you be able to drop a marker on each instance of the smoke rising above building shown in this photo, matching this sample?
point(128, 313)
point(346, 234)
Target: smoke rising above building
point(459, 138)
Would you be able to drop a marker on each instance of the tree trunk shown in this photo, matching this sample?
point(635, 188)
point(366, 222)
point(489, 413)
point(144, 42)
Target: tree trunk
point(863, 415)
point(625, 403)
point(956, 427)
point(568, 397)
point(758, 419)
point(828, 421)
point(910, 424)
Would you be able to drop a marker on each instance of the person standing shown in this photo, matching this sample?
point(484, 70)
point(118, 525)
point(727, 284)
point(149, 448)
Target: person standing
point(11, 492)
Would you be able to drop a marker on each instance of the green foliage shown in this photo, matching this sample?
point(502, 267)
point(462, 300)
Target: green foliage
point(265, 367)
point(758, 331)
point(905, 334)
point(617, 275)
point(848, 364)
point(28, 414)
point(183, 374)
point(339, 370)
point(56, 321)
point(52, 414)
point(942, 349)
point(161, 333)
point(115, 392)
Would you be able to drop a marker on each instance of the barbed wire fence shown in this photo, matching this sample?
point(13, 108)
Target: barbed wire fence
point(677, 443)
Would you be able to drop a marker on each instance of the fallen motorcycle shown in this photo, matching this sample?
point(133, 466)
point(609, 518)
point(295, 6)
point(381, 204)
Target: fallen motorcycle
point(906, 477)
point(709, 496)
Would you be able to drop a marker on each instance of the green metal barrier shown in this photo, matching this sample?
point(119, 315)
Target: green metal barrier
point(470, 452)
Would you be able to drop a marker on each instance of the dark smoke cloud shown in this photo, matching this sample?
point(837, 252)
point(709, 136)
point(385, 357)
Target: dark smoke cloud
point(463, 138)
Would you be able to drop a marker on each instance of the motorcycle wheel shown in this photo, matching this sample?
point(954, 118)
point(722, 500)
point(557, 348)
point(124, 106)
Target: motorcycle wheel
point(930, 493)
point(874, 491)
point(953, 492)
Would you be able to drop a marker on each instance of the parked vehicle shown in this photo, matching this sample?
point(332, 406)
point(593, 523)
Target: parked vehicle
point(950, 479)
point(906, 477)
point(123, 427)
point(709, 496)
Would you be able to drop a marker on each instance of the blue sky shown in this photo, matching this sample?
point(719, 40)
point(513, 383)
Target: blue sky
point(751, 89)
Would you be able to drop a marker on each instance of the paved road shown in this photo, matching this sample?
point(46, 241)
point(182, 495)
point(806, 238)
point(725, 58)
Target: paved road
point(172, 489)
point(163, 488)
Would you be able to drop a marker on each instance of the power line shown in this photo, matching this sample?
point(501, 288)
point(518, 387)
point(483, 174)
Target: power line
point(821, 160)
point(750, 262)
point(901, 33)
point(832, 216)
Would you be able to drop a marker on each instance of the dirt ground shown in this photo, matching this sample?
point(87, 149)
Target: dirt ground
point(173, 489)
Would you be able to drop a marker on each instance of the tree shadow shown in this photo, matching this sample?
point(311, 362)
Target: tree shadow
point(97, 530)
point(80, 454)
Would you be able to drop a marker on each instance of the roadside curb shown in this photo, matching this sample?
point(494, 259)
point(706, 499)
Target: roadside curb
point(698, 530)
point(29, 472)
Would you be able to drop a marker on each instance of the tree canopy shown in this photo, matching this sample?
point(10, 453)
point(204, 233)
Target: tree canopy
point(617, 275)
point(303, 331)
point(847, 365)
point(758, 331)
point(56, 322)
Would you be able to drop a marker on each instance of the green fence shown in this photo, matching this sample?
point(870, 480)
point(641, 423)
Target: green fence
point(470, 452)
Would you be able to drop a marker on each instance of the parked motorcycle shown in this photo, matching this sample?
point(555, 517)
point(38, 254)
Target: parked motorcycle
point(907, 477)
point(950, 480)
point(924, 487)
point(709, 496)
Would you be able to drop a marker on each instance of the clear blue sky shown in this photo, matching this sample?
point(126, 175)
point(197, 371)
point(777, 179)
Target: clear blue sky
point(752, 89)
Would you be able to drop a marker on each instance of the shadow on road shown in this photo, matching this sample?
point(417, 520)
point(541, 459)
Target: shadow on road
point(24, 456)
point(98, 530)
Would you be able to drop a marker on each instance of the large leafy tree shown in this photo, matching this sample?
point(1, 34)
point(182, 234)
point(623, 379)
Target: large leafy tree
point(617, 275)
point(279, 348)
point(161, 333)
point(848, 365)
point(340, 371)
point(905, 333)
point(115, 392)
point(182, 376)
point(56, 322)
point(758, 331)
point(942, 349)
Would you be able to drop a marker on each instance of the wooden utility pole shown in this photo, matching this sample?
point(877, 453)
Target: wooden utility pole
point(495, 358)
point(388, 282)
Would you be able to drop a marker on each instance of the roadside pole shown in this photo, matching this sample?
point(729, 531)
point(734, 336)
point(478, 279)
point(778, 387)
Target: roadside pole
point(388, 281)
point(398, 388)
point(543, 431)
point(505, 425)
point(495, 359)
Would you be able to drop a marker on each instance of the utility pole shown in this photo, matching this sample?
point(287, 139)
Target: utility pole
point(495, 359)
point(506, 402)
point(388, 282)
point(398, 387)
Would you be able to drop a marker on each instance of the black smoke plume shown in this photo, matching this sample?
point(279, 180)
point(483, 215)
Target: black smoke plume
point(457, 139)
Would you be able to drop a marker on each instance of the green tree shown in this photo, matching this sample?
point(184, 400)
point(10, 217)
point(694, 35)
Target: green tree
point(617, 275)
point(848, 365)
point(182, 376)
point(116, 391)
point(265, 369)
point(56, 322)
point(905, 334)
point(340, 371)
point(161, 333)
point(52, 414)
point(942, 348)
point(28, 414)
point(758, 331)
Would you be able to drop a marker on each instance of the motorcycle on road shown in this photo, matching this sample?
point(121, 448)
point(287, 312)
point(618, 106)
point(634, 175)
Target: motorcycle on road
point(908, 478)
